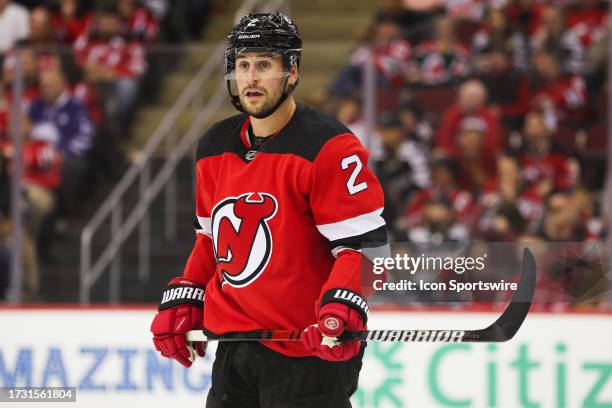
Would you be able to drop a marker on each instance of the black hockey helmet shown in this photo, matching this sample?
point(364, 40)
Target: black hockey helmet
point(266, 32)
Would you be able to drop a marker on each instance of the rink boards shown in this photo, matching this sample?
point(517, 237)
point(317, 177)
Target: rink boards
point(556, 360)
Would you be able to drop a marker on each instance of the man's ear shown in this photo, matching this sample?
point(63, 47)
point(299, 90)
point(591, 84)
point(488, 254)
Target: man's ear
point(293, 75)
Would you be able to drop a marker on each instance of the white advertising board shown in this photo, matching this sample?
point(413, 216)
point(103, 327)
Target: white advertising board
point(554, 361)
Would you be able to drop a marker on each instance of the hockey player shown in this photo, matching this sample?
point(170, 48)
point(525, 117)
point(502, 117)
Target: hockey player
point(284, 203)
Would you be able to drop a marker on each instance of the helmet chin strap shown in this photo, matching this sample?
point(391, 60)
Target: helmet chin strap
point(286, 92)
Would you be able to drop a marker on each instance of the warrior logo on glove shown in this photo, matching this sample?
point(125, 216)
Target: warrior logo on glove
point(241, 236)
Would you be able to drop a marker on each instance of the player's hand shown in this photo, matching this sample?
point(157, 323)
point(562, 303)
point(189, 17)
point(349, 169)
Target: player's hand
point(181, 310)
point(321, 338)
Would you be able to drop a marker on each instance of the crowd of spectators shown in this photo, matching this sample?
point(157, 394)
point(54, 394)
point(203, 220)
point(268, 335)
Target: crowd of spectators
point(491, 118)
point(84, 65)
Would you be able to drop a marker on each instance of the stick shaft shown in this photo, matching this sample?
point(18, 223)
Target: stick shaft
point(438, 336)
point(503, 329)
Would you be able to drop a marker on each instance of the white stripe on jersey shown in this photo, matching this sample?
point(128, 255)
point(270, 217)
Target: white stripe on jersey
point(353, 226)
point(205, 226)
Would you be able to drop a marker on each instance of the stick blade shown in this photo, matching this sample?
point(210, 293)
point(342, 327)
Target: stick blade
point(506, 326)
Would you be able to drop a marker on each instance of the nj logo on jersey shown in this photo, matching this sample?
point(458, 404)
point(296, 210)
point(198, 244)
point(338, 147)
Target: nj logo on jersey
point(241, 236)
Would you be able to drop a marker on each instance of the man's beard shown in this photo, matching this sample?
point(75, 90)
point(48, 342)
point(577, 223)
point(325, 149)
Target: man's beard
point(264, 110)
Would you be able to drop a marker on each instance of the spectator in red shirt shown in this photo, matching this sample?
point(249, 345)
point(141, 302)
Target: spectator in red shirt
point(86, 93)
point(391, 51)
point(391, 55)
point(544, 168)
point(112, 61)
point(442, 60)
point(41, 167)
point(444, 184)
point(560, 96)
point(476, 165)
point(471, 102)
point(507, 210)
point(587, 19)
point(42, 164)
point(140, 24)
point(71, 20)
point(42, 161)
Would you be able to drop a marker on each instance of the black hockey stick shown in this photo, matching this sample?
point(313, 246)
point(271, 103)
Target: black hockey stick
point(503, 329)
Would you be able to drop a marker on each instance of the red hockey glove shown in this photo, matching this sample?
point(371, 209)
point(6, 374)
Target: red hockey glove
point(334, 317)
point(181, 310)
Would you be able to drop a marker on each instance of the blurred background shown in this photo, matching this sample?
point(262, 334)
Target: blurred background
point(486, 120)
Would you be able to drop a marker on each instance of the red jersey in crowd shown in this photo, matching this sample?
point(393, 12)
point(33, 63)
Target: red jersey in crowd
point(67, 30)
point(86, 93)
point(125, 58)
point(567, 95)
point(278, 228)
point(588, 24)
point(142, 26)
point(41, 161)
point(435, 67)
point(461, 201)
point(42, 164)
point(559, 169)
point(390, 59)
point(528, 203)
point(3, 123)
point(30, 94)
point(450, 126)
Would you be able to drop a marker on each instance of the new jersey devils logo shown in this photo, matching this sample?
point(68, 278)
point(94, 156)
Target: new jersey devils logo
point(241, 236)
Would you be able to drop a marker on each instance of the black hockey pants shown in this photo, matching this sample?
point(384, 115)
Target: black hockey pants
point(249, 375)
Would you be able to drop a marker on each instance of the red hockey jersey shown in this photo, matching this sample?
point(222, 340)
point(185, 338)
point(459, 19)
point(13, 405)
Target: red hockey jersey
point(279, 227)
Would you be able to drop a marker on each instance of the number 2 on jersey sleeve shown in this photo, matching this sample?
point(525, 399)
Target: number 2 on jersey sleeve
point(350, 184)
